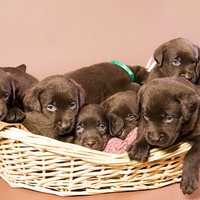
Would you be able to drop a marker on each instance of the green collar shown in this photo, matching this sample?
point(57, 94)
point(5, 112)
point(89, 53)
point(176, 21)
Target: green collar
point(123, 66)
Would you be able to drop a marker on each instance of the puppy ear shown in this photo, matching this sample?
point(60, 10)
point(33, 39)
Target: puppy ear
point(81, 95)
point(15, 87)
point(189, 104)
point(106, 104)
point(198, 64)
point(31, 100)
point(159, 54)
point(22, 67)
point(139, 95)
point(80, 90)
point(115, 124)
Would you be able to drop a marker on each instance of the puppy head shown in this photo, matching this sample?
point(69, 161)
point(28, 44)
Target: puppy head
point(169, 109)
point(59, 98)
point(92, 127)
point(9, 88)
point(124, 116)
point(179, 57)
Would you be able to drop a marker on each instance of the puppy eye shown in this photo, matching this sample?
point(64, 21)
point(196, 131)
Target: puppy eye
point(79, 129)
point(168, 119)
point(146, 117)
point(194, 61)
point(101, 127)
point(6, 96)
point(130, 117)
point(176, 62)
point(51, 108)
point(73, 105)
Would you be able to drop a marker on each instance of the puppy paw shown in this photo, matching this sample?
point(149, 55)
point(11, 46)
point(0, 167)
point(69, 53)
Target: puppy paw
point(15, 115)
point(138, 152)
point(189, 184)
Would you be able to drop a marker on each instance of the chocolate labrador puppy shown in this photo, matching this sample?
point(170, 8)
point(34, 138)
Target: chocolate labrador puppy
point(57, 97)
point(125, 113)
point(105, 79)
point(38, 123)
point(92, 127)
point(177, 57)
point(14, 81)
point(170, 113)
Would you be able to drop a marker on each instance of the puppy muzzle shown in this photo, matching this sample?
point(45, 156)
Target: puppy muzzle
point(158, 139)
point(189, 76)
point(93, 143)
point(64, 127)
point(90, 143)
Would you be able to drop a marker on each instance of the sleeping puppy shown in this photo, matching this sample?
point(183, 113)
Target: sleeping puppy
point(170, 113)
point(125, 113)
point(92, 127)
point(57, 97)
point(177, 57)
point(14, 81)
point(105, 79)
point(24, 79)
point(38, 123)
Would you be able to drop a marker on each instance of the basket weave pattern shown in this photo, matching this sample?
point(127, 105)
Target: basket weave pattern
point(46, 165)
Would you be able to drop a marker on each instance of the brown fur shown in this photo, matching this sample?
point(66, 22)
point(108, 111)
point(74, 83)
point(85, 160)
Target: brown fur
point(125, 113)
point(102, 80)
point(38, 123)
point(177, 57)
point(14, 81)
point(92, 127)
point(170, 113)
point(59, 98)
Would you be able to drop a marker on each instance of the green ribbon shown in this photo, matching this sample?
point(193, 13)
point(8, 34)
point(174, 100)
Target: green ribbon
point(127, 69)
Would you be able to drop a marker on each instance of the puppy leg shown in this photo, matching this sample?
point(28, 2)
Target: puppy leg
point(190, 175)
point(15, 114)
point(139, 150)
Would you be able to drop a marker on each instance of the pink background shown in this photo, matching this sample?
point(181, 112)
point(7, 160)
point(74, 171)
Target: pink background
point(57, 36)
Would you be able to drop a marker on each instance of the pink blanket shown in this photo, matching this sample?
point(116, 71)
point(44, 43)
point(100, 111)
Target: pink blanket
point(118, 146)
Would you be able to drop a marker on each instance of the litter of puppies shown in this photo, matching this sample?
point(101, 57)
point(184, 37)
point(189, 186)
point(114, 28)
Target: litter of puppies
point(88, 107)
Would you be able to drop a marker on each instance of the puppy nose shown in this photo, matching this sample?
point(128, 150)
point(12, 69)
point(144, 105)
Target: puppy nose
point(90, 143)
point(156, 137)
point(64, 125)
point(187, 76)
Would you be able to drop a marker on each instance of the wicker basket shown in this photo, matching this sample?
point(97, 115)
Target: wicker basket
point(46, 165)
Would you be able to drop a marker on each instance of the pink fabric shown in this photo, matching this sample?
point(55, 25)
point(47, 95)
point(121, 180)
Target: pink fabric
point(118, 146)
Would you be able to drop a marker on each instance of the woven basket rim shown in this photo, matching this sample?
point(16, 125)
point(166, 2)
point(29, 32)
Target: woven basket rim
point(125, 175)
point(33, 139)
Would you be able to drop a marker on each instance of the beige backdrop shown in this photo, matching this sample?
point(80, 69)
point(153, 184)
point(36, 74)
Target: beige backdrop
point(57, 36)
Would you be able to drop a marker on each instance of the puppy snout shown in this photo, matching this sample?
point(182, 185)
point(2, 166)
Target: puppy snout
point(187, 75)
point(90, 143)
point(64, 127)
point(156, 137)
